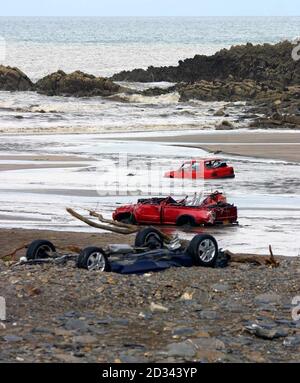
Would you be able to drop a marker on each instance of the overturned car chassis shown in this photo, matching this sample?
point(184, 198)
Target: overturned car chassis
point(151, 252)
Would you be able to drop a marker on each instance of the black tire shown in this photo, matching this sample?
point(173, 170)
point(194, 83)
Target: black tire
point(87, 259)
point(40, 249)
point(149, 237)
point(186, 220)
point(202, 257)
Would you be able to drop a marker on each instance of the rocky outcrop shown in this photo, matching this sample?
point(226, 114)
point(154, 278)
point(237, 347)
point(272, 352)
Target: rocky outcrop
point(152, 74)
point(268, 63)
point(76, 84)
point(282, 111)
point(226, 91)
point(12, 79)
point(152, 92)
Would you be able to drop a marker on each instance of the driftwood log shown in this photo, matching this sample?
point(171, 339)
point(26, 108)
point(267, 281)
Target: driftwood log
point(111, 221)
point(111, 225)
point(261, 260)
point(103, 226)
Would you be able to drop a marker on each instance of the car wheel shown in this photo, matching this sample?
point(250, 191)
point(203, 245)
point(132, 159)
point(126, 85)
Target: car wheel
point(203, 248)
point(149, 237)
point(93, 258)
point(40, 249)
point(186, 220)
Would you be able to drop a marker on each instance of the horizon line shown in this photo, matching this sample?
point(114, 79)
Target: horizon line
point(150, 16)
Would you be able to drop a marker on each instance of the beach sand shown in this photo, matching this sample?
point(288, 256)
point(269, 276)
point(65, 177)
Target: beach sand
point(60, 238)
point(59, 313)
point(272, 145)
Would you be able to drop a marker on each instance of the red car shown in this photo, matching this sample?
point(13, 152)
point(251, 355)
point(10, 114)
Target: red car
point(213, 210)
point(207, 168)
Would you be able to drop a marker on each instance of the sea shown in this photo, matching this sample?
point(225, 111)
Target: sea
point(103, 46)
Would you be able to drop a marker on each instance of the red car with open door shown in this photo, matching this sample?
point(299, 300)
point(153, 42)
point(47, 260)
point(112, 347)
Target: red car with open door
point(214, 209)
point(212, 168)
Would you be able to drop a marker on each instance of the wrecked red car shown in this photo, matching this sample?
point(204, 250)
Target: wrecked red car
point(211, 168)
point(214, 209)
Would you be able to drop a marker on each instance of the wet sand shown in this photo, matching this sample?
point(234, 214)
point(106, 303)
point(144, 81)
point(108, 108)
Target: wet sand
point(270, 145)
point(23, 157)
point(34, 162)
point(6, 167)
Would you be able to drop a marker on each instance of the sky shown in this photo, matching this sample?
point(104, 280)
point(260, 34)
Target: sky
point(150, 8)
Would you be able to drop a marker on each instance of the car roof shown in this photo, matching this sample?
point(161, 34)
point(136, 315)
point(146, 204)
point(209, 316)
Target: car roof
point(212, 159)
point(203, 160)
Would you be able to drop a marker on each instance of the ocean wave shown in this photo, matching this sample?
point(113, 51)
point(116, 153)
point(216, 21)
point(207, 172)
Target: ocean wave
point(170, 98)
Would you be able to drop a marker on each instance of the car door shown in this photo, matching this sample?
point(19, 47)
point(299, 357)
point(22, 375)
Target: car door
point(186, 170)
point(170, 214)
point(148, 213)
point(196, 171)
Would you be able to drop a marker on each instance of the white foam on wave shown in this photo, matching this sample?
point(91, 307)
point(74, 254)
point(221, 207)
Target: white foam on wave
point(169, 98)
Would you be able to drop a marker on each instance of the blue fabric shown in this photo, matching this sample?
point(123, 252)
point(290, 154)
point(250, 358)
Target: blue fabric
point(151, 261)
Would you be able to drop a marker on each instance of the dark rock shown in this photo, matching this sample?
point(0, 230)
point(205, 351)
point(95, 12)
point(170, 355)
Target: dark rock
point(208, 344)
point(268, 299)
point(230, 91)
point(292, 341)
point(76, 324)
point(77, 84)
point(12, 79)
point(271, 64)
point(12, 338)
point(220, 113)
point(85, 339)
point(208, 314)
point(183, 331)
point(197, 307)
point(183, 349)
point(126, 357)
point(225, 125)
point(285, 322)
point(41, 330)
point(233, 307)
point(219, 287)
point(72, 314)
point(266, 333)
point(158, 91)
point(121, 322)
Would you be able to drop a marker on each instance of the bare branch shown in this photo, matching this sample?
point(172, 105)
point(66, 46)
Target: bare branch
point(89, 222)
